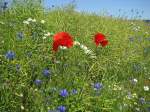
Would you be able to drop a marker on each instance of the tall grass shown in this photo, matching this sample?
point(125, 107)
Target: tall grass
point(125, 59)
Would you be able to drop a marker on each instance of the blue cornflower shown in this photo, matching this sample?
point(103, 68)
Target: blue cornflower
point(74, 91)
point(64, 93)
point(61, 108)
point(46, 72)
point(38, 82)
point(142, 100)
point(20, 35)
point(10, 55)
point(5, 5)
point(98, 86)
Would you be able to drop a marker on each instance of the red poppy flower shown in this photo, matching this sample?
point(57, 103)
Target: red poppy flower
point(100, 39)
point(62, 39)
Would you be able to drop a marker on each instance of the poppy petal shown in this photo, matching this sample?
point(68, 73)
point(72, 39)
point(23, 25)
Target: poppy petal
point(62, 39)
point(104, 43)
point(100, 38)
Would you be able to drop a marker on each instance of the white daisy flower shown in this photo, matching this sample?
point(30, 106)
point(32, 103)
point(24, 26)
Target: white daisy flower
point(138, 27)
point(134, 81)
point(63, 47)
point(26, 22)
point(83, 47)
point(44, 37)
point(33, 20)
point(29, 19)
point(138, 109)
point(132, 23)
point(116, 87)
point(134, 95)
point(47, 34)
point(135, 29)
point(22, 107)
point(87, 51)
point(146, 88)
point(42, 21)
point(76, 43)
point(21, 95)
point(57, 62)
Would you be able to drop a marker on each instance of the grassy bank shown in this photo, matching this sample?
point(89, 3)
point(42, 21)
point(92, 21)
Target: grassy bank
point(117, 80)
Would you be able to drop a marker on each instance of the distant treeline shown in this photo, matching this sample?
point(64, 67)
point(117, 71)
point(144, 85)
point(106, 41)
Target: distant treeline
point(147, 21)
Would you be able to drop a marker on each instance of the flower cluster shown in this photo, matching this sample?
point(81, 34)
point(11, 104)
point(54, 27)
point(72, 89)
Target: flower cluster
point(146, 88)
point(135, 27)
point(48, 34)
point(64, 40)
point(85, 49)
point(131, 96)
point(29, 20)
point(64, 93)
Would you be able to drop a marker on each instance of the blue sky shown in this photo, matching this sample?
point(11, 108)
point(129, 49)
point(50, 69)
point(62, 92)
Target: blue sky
point(110, 6)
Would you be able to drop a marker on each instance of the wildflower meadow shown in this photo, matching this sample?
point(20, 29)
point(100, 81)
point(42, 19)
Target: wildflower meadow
point(61, 60)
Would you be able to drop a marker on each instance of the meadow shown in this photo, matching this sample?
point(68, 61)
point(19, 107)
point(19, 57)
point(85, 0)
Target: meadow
point(81, 78)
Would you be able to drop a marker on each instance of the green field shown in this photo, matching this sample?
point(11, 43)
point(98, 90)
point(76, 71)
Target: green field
point(32, 76)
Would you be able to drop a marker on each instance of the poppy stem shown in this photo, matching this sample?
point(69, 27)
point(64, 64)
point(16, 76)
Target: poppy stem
point(53, 57)
point(96, 51)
